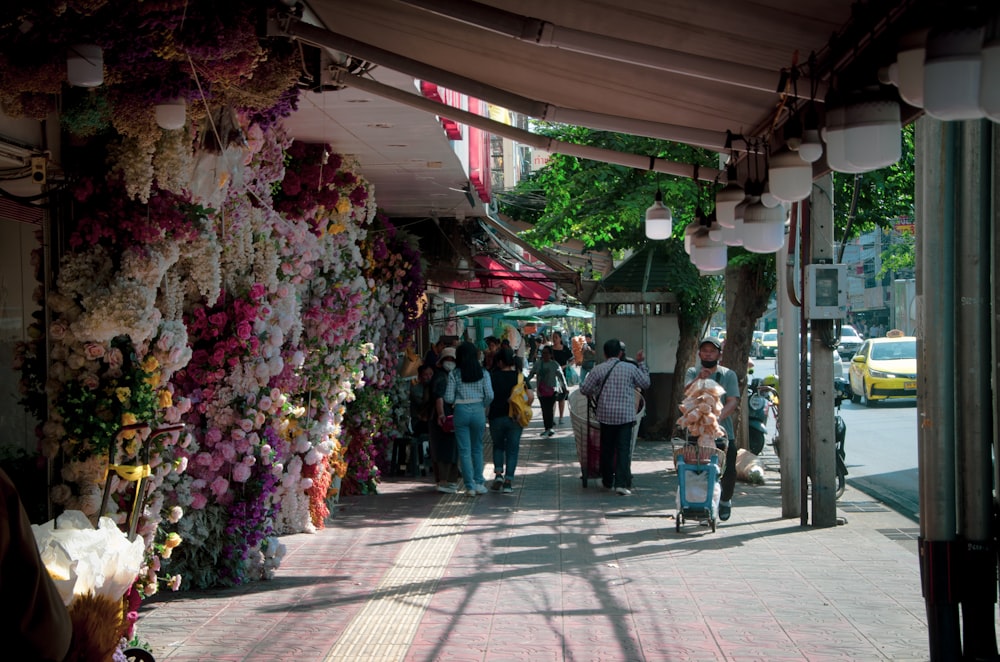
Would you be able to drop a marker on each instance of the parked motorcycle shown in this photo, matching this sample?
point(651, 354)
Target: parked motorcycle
point(842, 387)
point(757, 406)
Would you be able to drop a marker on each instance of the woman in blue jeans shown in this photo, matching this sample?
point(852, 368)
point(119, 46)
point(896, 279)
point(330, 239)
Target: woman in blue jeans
point(505, 431)
point(471, 391)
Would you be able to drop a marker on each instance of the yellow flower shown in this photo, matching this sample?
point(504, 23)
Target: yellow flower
point(153, 380)
point(149, 364)
point(172, 540)
point(336, 228)
point(128, 419)
point(166, 400)
point(123, 393)
point(343, 205)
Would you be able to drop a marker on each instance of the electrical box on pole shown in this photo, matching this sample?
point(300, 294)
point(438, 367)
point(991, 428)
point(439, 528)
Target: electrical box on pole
point(826, 291)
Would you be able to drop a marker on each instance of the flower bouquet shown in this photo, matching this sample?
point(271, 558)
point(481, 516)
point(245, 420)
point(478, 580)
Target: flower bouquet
point(92, 568)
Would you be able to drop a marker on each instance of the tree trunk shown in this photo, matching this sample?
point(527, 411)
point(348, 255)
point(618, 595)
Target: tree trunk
point(748, 289)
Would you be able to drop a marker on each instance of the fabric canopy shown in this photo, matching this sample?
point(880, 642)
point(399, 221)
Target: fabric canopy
point(549, 311)
point(499, 275)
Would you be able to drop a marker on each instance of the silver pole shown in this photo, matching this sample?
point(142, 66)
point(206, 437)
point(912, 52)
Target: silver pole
point(788, 421)
point(937, 164)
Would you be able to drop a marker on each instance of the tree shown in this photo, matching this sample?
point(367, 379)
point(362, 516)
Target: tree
point(604, 206)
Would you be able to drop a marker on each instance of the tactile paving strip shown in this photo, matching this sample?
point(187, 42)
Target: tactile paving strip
point(384, 628)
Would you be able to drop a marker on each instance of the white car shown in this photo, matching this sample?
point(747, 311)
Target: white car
point(850, 341)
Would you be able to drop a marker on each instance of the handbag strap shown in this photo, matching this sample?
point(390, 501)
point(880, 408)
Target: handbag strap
point(597, 398)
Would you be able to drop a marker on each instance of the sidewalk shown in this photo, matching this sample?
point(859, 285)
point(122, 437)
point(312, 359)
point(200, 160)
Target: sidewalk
point(556, 571)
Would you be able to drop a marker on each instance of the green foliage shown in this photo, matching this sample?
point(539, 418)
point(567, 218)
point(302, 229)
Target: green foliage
point(882, 195)
point(900, 256)
point(603, 204)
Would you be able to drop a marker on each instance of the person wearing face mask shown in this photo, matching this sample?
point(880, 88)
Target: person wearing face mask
point(709, 351)
point(444, 447)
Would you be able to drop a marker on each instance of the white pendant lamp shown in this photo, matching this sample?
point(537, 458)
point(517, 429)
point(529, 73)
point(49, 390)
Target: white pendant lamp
point(706, 254)
point(768, 198)
point(727, 198)
point(952, 69)
point(763, 228)
point(873, 132)
point(171, 115)
point(835, 137)
point(689, 232)
point(989, 78)
point(734, 236)
point(789, 178)
point(908, 73)
point(659, 219)
point(811, 148)
point(85, 65)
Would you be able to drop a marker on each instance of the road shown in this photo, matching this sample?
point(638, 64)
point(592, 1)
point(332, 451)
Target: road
point(881, 449)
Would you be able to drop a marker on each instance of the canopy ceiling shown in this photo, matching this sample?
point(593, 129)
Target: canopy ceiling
point(405, 153)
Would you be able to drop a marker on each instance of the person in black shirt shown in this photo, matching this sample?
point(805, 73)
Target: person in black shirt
point(563, 355)
point(504, 430)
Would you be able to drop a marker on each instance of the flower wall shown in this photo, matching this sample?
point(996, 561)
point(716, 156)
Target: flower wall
point(220, 276)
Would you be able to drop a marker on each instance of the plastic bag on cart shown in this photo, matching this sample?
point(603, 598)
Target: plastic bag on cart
point(696, 490)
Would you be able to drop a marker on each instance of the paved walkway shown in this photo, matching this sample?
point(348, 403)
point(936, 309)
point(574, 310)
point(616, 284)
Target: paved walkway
point(556, 571)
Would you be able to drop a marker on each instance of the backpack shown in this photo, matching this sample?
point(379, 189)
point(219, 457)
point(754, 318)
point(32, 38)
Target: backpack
point(520, 402)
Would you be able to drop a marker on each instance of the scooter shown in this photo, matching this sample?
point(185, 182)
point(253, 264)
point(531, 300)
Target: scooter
point(842, 388)
point(757, 406)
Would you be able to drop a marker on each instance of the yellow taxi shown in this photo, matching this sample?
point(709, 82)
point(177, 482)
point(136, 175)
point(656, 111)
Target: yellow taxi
point(884, 368)
point(768, 344)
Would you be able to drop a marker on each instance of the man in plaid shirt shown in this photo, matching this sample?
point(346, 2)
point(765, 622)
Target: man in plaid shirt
point(612, 386)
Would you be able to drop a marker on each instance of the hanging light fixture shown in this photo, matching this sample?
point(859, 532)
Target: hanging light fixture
point(85, 65)
point(989, 78)
point(811, 147)
point(873, 131)
point(952, 69)
point(171, 115)
point(835, 136)
point(789, 177)
point(731, 194)
point(908, 71)
point(763, 228)
point(706, 254)
point(659, 219)
point(734, 236)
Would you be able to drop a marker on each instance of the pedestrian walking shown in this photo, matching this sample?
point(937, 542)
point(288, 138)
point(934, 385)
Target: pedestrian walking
point(444, 448)
point(471, 391)
point(611, 385)
point(505, 431)
point(551, 381)
point(709, 351)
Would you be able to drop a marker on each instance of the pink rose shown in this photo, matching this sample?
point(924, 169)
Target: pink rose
point(113, 357)
point(93, 351)
point(244, 330)
point(241, 473)
point(58, 330)
point(220, 486)
point(198, 501)
point(213, 436)
point(257, 290)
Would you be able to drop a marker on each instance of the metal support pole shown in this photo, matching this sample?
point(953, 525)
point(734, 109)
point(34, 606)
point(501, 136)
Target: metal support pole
point(788, 421)
point(938, 162)
point(974, 420)
point(822, 441)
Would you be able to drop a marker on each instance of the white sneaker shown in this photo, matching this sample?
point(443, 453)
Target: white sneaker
point(446, 488)
point(481, 489)
point(470, 493)
point(624, 491)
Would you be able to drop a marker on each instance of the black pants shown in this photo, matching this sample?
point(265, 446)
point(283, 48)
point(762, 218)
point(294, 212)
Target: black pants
point(728, 480)
point(616, 455)
point(547, 403)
